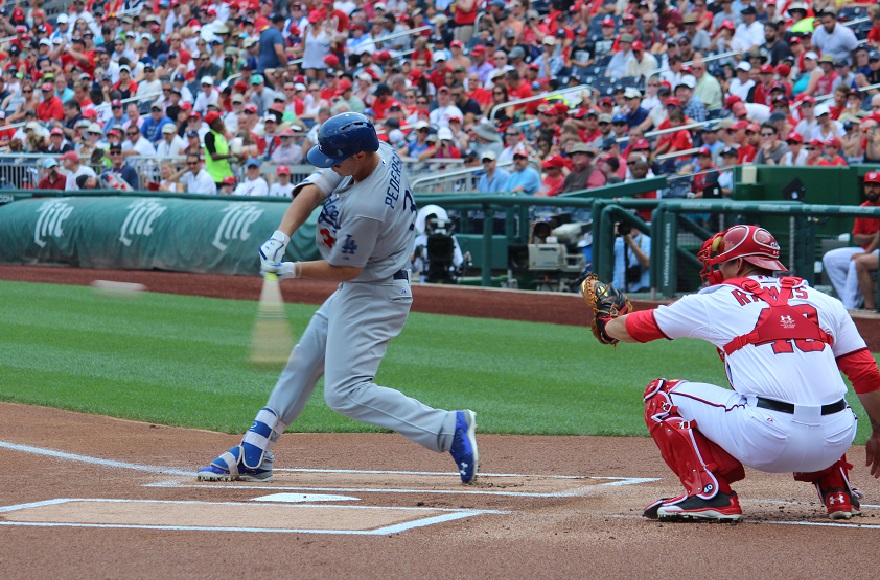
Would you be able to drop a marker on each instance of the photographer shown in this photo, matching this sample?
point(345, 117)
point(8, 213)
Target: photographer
point(435, 236)
point(632, 259)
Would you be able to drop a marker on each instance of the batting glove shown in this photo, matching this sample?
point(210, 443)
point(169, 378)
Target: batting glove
point(272, 250)
point(282, 269)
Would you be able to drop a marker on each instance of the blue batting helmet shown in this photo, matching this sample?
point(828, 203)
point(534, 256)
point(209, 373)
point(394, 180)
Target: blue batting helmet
point(340, 137)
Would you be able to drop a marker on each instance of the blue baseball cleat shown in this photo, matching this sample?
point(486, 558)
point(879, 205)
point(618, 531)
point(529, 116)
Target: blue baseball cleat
point(228, 467)
point(464, 446)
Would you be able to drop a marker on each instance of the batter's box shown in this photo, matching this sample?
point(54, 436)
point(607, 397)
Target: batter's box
point(504, 484)
point(217, 516)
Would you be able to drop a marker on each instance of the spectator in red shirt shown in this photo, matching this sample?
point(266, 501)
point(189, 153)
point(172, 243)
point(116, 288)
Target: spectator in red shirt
point(832, 154)
point(51, 106)
point(814, 152)
point(678, 140)
point(53, 179)
point(551, 184)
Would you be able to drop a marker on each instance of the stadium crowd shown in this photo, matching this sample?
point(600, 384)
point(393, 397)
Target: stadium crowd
point(225, 97)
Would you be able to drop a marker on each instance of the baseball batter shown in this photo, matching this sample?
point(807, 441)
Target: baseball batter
point(365, 233)
point(783, 345)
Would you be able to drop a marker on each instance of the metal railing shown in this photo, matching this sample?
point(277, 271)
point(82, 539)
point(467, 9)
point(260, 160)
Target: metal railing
point(540, 97)
point(460, 180)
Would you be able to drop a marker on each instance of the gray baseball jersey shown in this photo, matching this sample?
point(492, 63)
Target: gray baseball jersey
point(368, 224)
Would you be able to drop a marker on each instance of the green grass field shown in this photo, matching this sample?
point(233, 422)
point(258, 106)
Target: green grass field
point(182, 361)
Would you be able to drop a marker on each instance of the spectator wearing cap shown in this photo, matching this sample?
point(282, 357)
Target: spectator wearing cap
point(71, 164)
point(152, 126)
point(852, 146)
point(283, 186)
point(674, 141)
point(833, 38)
point(814, 149)
point(52, 180)
point(618, 64)
point(641, 62)
point(362, 42)
point(749, 33)
point(217, 151)
point(872, 76)
point(611, 161)
point(797, 155)
point(584, 174)
point(826, 127)
point(493, 179)
point(317, 38)
point(709, 134)
point(524, 178)
point(443, 147)
point(445, 108)
point(772, 149)
point(149, 84)
point(261, 95)
point(253, 184)
point(705, 172)
point(50, 108)
point(635, 114)
point(178, 82)
point(822, 79)
point(550, 62)
point(707, 88)
point(551, 184)
point(691, 104)
point(171, 144)
point(272, 44)
point(482, 65)
point(208, 95)
point(120, 170)
point(290, 150)
point(832, 155)
point(698, 37)
point(846, 77)
point(808, 121)
point(619, 126)
point(58, 143)
point(383, 101)
point(458, 58)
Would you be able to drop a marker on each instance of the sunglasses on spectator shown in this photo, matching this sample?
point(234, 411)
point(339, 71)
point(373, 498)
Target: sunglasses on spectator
point(810, 148)
point(631, 162)
point(132, 133)
point(767, 134)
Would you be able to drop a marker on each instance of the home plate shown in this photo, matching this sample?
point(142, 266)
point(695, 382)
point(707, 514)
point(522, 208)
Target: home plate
point(304, 497)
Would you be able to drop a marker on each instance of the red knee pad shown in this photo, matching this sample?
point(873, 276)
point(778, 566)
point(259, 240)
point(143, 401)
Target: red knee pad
point(702, 466)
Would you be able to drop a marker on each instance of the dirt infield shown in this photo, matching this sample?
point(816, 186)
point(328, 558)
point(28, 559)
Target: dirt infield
point(90, 496)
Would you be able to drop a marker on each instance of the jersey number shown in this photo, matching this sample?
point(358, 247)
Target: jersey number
point(326, 238)
point(803, 344)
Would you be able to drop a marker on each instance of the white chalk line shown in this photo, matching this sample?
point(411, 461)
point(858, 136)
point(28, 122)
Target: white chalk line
point(447, 516)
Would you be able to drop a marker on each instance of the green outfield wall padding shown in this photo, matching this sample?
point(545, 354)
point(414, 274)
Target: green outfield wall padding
point(146, 233)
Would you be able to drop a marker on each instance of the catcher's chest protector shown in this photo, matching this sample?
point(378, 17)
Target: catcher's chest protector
point(781, 323)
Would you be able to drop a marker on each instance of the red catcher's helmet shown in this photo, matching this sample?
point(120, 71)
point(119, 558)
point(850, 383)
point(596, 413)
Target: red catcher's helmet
point(755, 245)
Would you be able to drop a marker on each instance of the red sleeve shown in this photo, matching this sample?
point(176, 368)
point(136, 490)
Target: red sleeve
point(641, 326)
point(860, 367)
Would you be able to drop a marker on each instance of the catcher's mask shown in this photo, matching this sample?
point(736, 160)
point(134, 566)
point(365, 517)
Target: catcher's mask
point(755, 245)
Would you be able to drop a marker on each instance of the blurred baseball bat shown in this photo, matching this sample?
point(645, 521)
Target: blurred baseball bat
point(272, 339)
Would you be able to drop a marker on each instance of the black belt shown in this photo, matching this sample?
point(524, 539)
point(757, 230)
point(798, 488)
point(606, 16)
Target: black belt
point(401, 275)
point(772, 405)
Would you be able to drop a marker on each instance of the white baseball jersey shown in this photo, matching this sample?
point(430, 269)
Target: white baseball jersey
point(782, 370)
point(369, 224)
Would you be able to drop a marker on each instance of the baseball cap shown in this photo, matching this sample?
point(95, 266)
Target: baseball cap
point(729, 152)
point(872, 177)
point(704, 152)
point(211, 116)
point(488, 155)
point(50, 162)
point(618, 118)
point(206, 80)
point(253, 163)
point(795, 136)
point(283, 170)
point(70, 156)
point(168, 128)
point(56, 131)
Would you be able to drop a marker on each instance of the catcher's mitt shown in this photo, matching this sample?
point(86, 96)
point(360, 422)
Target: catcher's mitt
point(607, 303)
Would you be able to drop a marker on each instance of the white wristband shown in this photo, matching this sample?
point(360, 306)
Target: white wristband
point(297, 269)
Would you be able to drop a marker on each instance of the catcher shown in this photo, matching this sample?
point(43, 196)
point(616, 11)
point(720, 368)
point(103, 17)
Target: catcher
point(783, 345)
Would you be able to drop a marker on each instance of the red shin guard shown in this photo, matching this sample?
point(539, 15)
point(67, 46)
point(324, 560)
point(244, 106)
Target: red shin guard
point(703, 467)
